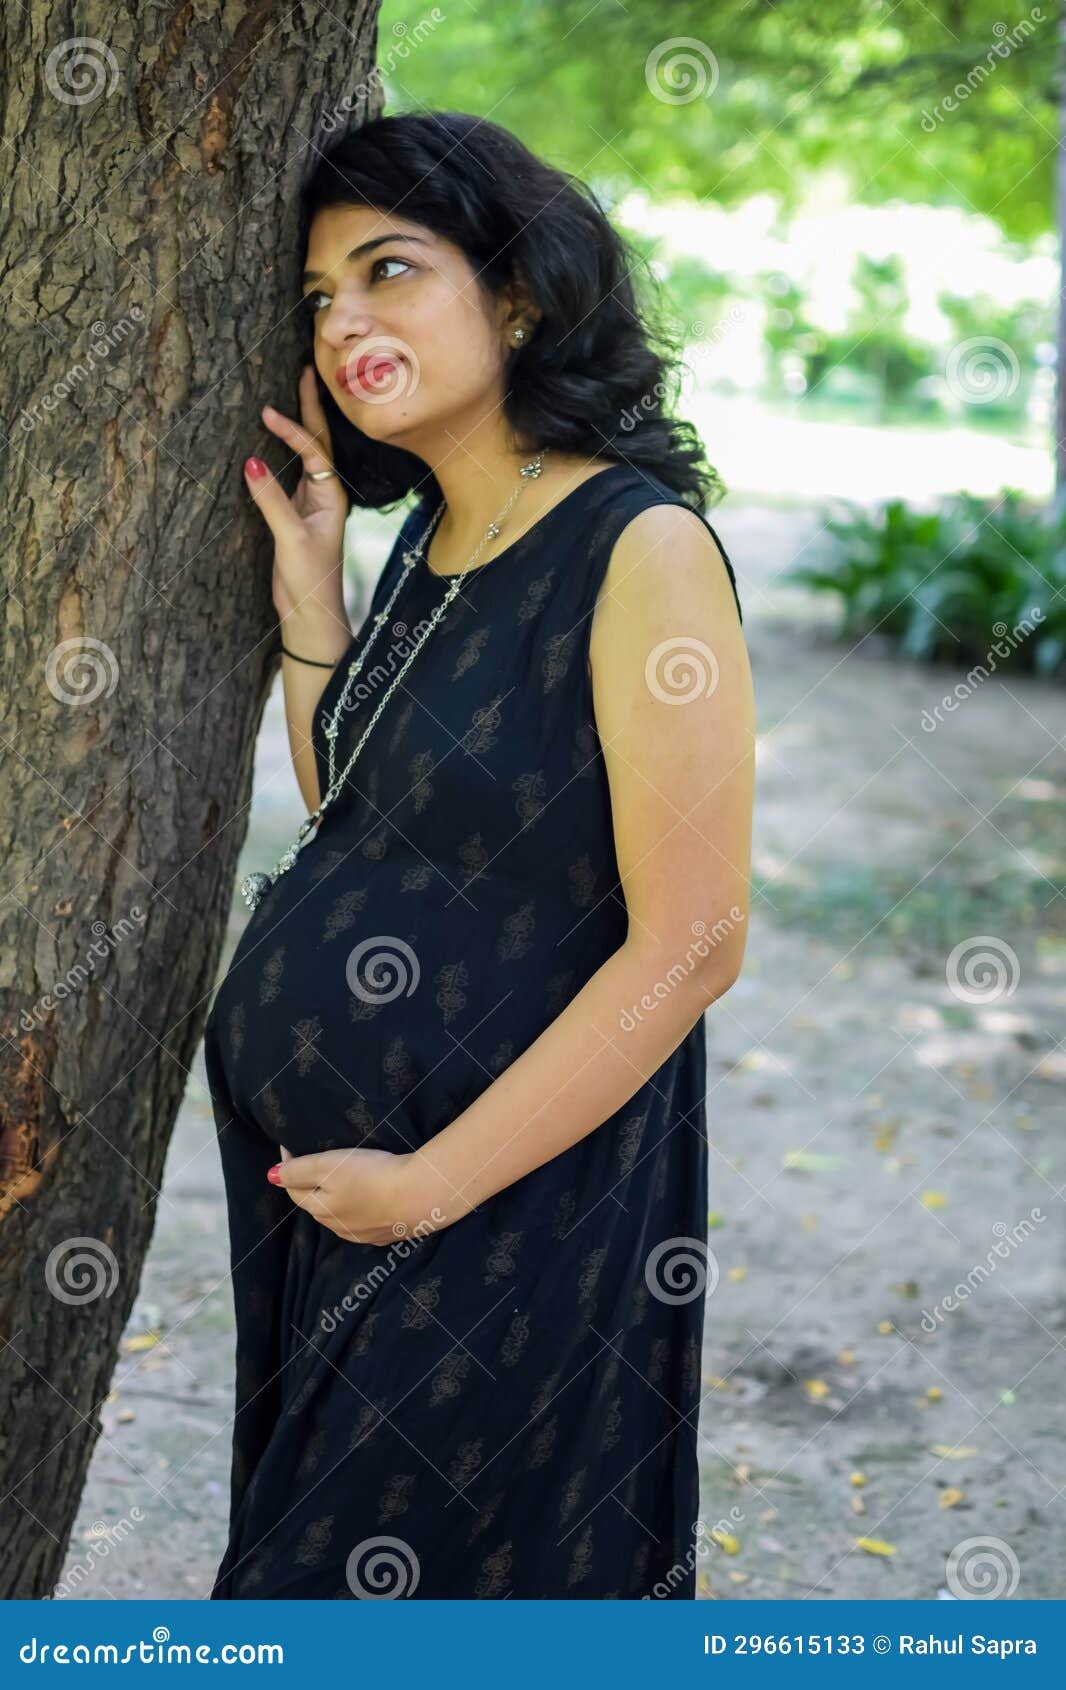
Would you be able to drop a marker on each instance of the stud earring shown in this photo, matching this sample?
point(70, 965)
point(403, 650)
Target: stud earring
point(519, 335)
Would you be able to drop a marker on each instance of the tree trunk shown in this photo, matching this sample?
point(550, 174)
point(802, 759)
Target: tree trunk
point(148, 240)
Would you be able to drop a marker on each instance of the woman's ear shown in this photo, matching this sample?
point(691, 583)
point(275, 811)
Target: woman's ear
point(519, 309)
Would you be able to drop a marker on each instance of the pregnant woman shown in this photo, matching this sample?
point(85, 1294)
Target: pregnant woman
point(457, 1063)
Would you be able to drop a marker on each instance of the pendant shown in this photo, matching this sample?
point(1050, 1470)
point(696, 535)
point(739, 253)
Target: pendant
point(254, 887)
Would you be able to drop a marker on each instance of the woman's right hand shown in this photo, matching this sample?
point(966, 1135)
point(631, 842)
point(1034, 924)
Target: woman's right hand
point(308, 529)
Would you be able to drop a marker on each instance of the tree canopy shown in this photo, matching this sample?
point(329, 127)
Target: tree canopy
point(944, 103)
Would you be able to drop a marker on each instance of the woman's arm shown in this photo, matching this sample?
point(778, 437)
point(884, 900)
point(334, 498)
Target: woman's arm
point(674, 706)
point(326, 640)
point(308, 576)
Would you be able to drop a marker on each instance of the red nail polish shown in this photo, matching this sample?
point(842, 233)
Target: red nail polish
point(272, 1173)
point(255, 468)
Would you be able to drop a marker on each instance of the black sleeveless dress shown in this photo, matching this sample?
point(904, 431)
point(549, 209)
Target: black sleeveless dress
point(507, 1407)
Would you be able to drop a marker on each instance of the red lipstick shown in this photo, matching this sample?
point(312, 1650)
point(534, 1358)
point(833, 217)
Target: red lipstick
point(367, 373)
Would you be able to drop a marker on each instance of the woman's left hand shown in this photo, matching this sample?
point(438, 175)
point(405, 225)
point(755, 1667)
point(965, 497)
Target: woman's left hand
point(364, 1196)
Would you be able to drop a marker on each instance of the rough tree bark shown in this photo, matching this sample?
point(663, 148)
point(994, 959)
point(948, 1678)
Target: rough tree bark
point(150, 268)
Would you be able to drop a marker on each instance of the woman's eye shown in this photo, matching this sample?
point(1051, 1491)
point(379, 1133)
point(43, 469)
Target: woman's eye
point(401, 261)
point(316, 293)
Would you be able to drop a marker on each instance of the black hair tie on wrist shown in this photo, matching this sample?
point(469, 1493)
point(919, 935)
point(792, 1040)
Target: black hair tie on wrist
point(314, 661)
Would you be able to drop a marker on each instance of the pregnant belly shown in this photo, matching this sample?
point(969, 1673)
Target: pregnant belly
point(364, 1006)
point(374, 994)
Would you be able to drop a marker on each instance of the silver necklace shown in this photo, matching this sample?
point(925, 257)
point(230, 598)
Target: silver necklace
point(255, 886)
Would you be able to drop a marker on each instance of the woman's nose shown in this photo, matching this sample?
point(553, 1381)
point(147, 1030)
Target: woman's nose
point(346, 326)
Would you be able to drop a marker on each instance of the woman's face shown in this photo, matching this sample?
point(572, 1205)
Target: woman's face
point(406, 340)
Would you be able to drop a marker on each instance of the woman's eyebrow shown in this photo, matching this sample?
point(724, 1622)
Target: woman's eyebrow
point(358, 251)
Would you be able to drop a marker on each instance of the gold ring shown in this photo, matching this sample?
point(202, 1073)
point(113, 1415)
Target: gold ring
point(320, 474)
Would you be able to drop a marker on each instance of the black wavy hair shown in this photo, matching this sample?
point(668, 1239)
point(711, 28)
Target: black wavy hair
point(589, 380)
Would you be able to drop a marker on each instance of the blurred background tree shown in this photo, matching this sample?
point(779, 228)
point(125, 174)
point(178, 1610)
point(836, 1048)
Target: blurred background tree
point(848, 216)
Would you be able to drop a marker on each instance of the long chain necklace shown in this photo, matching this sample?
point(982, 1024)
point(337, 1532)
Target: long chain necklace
point(255, 886)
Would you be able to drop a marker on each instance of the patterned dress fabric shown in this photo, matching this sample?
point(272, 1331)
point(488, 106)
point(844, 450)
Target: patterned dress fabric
point(507, 1407)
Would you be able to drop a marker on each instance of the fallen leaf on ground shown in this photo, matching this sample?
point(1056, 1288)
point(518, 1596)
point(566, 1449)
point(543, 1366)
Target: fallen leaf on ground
point(812, 1161)
point(875, 1546)
point(142, 1341)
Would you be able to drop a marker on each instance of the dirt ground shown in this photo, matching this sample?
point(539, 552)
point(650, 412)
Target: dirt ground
point(876, 1134)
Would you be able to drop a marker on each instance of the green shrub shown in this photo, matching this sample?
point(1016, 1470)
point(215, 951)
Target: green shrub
point(975, 578)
